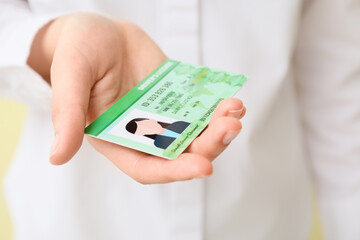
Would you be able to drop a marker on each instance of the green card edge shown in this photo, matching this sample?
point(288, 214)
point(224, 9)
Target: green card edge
point(121, 105)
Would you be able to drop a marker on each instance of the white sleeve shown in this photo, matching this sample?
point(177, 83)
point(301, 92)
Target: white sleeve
point(18, 26)
point(328, 79)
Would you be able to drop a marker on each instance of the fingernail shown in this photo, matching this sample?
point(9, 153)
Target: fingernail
point(229, 137)
point(235, 113)
point(54, 145)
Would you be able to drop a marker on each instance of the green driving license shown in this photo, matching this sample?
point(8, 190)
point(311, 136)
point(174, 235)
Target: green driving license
point(165, 112)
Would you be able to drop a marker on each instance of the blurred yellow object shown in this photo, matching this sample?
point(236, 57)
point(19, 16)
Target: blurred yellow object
point(316, 231)
point(11, 119)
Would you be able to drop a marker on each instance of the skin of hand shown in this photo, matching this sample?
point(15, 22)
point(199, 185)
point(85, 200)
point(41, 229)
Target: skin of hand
point(91, 61)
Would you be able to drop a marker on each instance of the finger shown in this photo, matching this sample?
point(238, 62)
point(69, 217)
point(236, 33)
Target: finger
point(185, 167)
point(237, 113)
point(231, 107)
point(216, 137)
point(148, 169)
point(71, 85)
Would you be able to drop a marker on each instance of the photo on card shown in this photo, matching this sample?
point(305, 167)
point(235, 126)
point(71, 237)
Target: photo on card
point(149, 128)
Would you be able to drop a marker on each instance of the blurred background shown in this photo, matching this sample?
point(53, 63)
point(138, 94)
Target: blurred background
point(11, 119)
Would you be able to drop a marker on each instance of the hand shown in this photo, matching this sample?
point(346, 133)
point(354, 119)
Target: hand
point(91, 61)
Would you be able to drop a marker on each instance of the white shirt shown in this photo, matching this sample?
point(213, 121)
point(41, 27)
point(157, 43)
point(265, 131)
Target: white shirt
point(304, 85)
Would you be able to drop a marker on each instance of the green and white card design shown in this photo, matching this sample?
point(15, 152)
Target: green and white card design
point(165, 112)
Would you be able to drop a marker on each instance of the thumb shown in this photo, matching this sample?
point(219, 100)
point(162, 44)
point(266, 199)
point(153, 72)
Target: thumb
point(71, 85)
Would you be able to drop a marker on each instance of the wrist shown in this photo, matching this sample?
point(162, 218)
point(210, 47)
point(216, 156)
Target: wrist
point(43, 47)
point(46, 40)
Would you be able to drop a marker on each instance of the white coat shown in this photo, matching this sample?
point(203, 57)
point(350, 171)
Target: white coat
point(303, 121)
